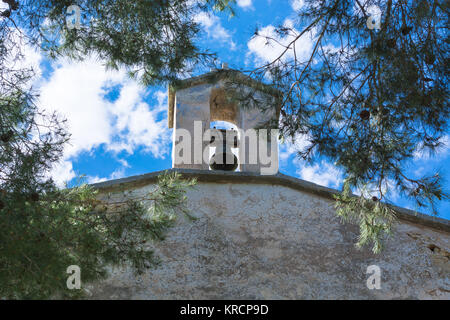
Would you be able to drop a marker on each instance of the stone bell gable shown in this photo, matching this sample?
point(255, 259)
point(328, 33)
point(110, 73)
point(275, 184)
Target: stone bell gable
point(220, 95)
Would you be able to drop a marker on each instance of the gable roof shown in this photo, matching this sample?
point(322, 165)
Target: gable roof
point(230, 75)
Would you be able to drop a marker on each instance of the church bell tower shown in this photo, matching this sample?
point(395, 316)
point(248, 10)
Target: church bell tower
point(223, 95)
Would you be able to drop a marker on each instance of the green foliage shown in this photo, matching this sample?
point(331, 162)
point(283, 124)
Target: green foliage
point(375, 219)
point(44, 228)
point(222, 5)
point(154, 40)
point(66, 227)
point(368, 100)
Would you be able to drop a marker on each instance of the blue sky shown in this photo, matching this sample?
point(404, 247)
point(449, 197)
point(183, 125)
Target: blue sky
point(119, 128)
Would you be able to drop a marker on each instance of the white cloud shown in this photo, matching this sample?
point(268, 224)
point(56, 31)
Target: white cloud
point(124, 163)
point(324, 174)
point(297, 4)
point(441, 152)
point(76, 90)
point(388, 188)
point(214, 28)
point(246, 4)
point(291, 147)
point(117, 174)
point(95, 179)
point(269, 45)
point(137, 125)
point(62, 172)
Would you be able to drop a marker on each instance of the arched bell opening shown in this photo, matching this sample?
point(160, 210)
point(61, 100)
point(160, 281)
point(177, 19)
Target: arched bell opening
point(224, 147)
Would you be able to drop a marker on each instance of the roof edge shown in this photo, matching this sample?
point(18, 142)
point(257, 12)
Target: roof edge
point(233, 75)
point(278, 179)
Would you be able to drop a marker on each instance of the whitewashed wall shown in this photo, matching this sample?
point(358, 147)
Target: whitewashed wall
point(260, 241)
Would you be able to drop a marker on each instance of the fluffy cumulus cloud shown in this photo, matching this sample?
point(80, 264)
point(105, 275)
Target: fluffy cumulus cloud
point(63, 172)
point(117, 174)
point(75, 90)
point(269, 45)
point(214, 29)
point(245, 4)
point(292, 146)
point(78, 92)
point(297, 4)
point(441, 152)
point(322, 173)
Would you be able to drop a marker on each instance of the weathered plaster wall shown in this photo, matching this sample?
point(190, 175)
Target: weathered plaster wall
point(260, 241)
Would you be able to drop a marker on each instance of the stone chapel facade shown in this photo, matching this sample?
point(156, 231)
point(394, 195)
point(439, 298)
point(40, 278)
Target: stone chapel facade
point(269, 236)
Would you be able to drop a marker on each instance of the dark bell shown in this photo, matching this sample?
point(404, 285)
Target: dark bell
point(223, 159)
point(229, 161)
point(224, 137)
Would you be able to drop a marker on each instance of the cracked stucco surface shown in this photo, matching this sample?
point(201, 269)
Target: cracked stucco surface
point(261, 241)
